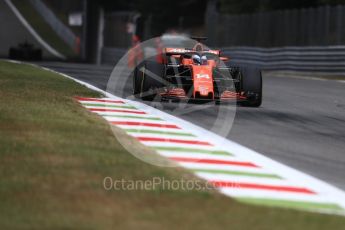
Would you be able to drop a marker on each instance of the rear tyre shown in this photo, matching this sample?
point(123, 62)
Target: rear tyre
point(150, 81)
point(251, 79)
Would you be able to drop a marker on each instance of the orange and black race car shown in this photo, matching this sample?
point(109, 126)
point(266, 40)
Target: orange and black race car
point(197, 73)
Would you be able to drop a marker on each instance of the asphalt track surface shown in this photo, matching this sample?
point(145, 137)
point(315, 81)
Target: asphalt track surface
point(301, 122)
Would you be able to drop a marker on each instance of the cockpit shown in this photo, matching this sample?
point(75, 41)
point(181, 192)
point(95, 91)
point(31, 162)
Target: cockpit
point(199, 59)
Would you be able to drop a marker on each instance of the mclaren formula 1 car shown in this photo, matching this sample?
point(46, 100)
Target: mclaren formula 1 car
point(197, 73)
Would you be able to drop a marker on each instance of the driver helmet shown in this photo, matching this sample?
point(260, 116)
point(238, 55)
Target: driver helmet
point(196, 59)
point(204, 60)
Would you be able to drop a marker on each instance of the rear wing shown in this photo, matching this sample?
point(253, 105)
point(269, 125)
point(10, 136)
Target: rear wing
point(177, 51)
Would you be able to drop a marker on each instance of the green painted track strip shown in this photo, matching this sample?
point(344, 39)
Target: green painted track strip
point(110, 106)
point(291, 204)
point(158, 132)
point(192, 150)
point(237, 173)
point(134, 117)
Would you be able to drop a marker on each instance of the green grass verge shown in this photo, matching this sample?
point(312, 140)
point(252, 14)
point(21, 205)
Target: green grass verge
point(43, 29)
point(54, 156)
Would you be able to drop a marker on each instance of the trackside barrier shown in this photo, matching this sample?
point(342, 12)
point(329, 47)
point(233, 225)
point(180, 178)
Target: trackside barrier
point(329, 59)
point(325, 59)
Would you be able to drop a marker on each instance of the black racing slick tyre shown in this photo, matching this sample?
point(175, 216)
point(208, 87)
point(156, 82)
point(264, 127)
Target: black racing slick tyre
point(137, 77)
point(252, 86)
point(151, 79)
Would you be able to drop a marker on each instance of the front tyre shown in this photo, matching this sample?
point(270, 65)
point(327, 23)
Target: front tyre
point(151, 80)
point(137, 78)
